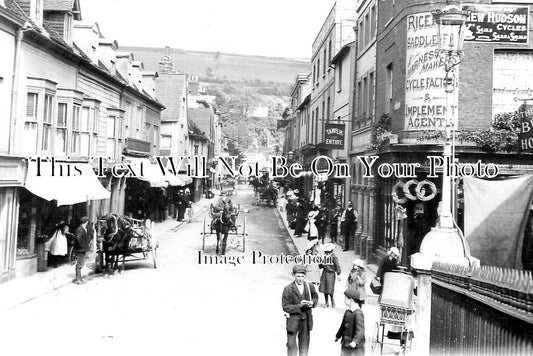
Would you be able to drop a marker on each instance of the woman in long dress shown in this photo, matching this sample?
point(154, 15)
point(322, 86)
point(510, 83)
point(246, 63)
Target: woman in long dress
point(59, 245)
point(357, 279)
point(327, 280)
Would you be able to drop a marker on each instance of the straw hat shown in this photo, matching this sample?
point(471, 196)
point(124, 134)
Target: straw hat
point(394, 250)
point(311, 244)
point(359, 263)
point(328, 247)
point(312, 214)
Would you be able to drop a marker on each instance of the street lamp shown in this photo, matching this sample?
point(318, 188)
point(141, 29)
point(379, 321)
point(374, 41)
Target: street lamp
point(444, 239)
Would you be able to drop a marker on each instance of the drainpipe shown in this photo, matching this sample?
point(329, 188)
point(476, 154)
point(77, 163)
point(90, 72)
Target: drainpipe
point(15, 90)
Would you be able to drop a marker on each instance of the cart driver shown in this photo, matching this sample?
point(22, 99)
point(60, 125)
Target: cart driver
point(218, 206)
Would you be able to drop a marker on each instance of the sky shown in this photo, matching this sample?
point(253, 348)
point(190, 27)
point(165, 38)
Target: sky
point(278, 28)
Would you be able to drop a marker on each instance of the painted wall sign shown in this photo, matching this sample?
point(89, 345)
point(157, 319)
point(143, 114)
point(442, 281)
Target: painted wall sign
point(497, 23)
point(335, 135)
point(426, 107)
point(525, 137)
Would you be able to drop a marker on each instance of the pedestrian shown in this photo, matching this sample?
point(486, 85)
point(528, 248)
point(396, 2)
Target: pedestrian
point(334, 224)
point(327, 279)
point(352, 329)
point(321, 223)
point(282, 203)
point(313, 272)
point(81, 246)
point(389, 264)
point(357, 279)
point(59, 244)
point(182, 205)
point(348, 224)
point(301, 219)
point(311, 227)
point(297, 301)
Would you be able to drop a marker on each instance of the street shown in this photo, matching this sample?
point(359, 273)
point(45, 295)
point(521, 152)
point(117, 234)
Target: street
point(182, 307)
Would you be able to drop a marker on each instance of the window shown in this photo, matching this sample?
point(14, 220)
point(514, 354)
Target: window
point(324, 65)
point(166, 141)
point(127, 119)
point(338, 68)
point(61, 129)
point(314, 68)
point(361, 36)
point(76, 150)
point(373, 22)
point(85, 135)
point(388, 89)
point(139, 121)
point(196, 150)
point(156, 136)
point(329, 109)
point(46, 139)
point(371, 90)
point(367, 29)
point(95, 117)
point(359, 99)
point(364, 102)
point(329, 52)
point(111, 136)
point(31, 133)
point(317, 70)
point(146, 133)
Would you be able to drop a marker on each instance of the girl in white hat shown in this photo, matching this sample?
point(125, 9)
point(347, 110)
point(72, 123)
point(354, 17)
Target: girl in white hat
point(357, 279)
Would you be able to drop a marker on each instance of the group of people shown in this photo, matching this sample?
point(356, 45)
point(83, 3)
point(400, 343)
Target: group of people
point(183, 202)
point(301, 296)
point(307, 218)
point(298, 299)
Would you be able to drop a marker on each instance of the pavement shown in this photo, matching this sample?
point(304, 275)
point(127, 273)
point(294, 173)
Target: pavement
point(22, 290)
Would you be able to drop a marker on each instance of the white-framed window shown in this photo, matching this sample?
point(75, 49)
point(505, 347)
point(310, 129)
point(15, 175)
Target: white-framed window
point(85, 131)
point(338, 68)
point(166, 141)
point(46, 138)
point(155, 140)
point(76, 138)
point(61, 129)
point(31, 127)
point(95, 118)
point(111, 136)
point(196, 150)
point(388, 88)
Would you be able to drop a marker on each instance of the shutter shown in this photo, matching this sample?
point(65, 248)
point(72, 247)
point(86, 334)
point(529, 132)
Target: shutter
point(31, 105)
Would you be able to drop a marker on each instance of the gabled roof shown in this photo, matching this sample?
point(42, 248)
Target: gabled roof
point(64, 5)
point(201, 117)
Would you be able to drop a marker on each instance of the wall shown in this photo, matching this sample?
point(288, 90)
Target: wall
point(7, 43)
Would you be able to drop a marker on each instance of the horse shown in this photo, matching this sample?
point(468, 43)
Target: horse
point(116, 239)
point(222, 225)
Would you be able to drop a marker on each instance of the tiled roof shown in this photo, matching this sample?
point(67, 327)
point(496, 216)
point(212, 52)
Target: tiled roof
point(58, 5)
point(14, 8)
point(201, 117)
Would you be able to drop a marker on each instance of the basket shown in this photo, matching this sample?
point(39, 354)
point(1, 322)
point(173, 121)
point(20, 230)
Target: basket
point(394, 315)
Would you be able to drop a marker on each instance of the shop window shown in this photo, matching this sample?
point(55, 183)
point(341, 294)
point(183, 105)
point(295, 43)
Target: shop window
point(61, 129)
point(31, 130)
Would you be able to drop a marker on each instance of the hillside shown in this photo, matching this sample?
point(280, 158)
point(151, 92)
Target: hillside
point(241, 85)
point(224, 66)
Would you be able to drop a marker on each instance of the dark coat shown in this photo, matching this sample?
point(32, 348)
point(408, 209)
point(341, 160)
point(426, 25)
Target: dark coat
point(350, 217)
point(386, 266)
point(327, 280)
point(82, 240)
point(352, 329)
point(290, 302)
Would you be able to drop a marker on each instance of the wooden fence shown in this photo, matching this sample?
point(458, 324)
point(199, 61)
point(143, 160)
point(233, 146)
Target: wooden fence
point(481, 311)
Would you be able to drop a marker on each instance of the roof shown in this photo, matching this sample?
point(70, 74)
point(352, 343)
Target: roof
point(63, 5)
point(171, 90)
point(342, 52)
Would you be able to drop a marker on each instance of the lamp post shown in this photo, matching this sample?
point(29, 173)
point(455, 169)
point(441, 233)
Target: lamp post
point(444, 239)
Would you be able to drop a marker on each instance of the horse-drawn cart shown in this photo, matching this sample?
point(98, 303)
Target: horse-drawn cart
point(122, 236)
point(224, 224)
point(227, 187)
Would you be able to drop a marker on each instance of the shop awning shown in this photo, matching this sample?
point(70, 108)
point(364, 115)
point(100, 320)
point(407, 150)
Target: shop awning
point(153, 175)
point(78, 187)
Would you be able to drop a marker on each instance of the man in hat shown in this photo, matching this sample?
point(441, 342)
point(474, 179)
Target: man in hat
point(389, 263)
point(217, 207)
point(297, 300)
point(348, 224)
point(82, 242)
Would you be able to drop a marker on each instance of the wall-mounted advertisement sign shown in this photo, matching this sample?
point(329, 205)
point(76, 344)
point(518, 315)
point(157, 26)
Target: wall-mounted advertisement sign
point(426, 107)
point(497, 23)
point(334, 135)
point(525, 137)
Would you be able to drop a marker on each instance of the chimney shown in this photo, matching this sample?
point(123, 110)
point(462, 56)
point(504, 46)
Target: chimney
point(149, 79)
point(107, 53)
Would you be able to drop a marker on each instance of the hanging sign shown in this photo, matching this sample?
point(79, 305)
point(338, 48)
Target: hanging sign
point(497, 23)
point(335, 135)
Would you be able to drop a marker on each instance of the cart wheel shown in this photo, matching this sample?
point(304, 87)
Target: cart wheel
point(154, 257)
point(203, 237)
point(244, 235)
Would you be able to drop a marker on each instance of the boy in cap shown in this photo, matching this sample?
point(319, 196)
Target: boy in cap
point(81, 247)
point(297, 300)
point(352, 329)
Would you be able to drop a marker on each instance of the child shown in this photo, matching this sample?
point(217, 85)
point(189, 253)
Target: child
point(352, 329)
point(282, 203)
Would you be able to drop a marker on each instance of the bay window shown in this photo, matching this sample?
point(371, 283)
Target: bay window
point(61, 130)
point(31, 129)
point(46, 139)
